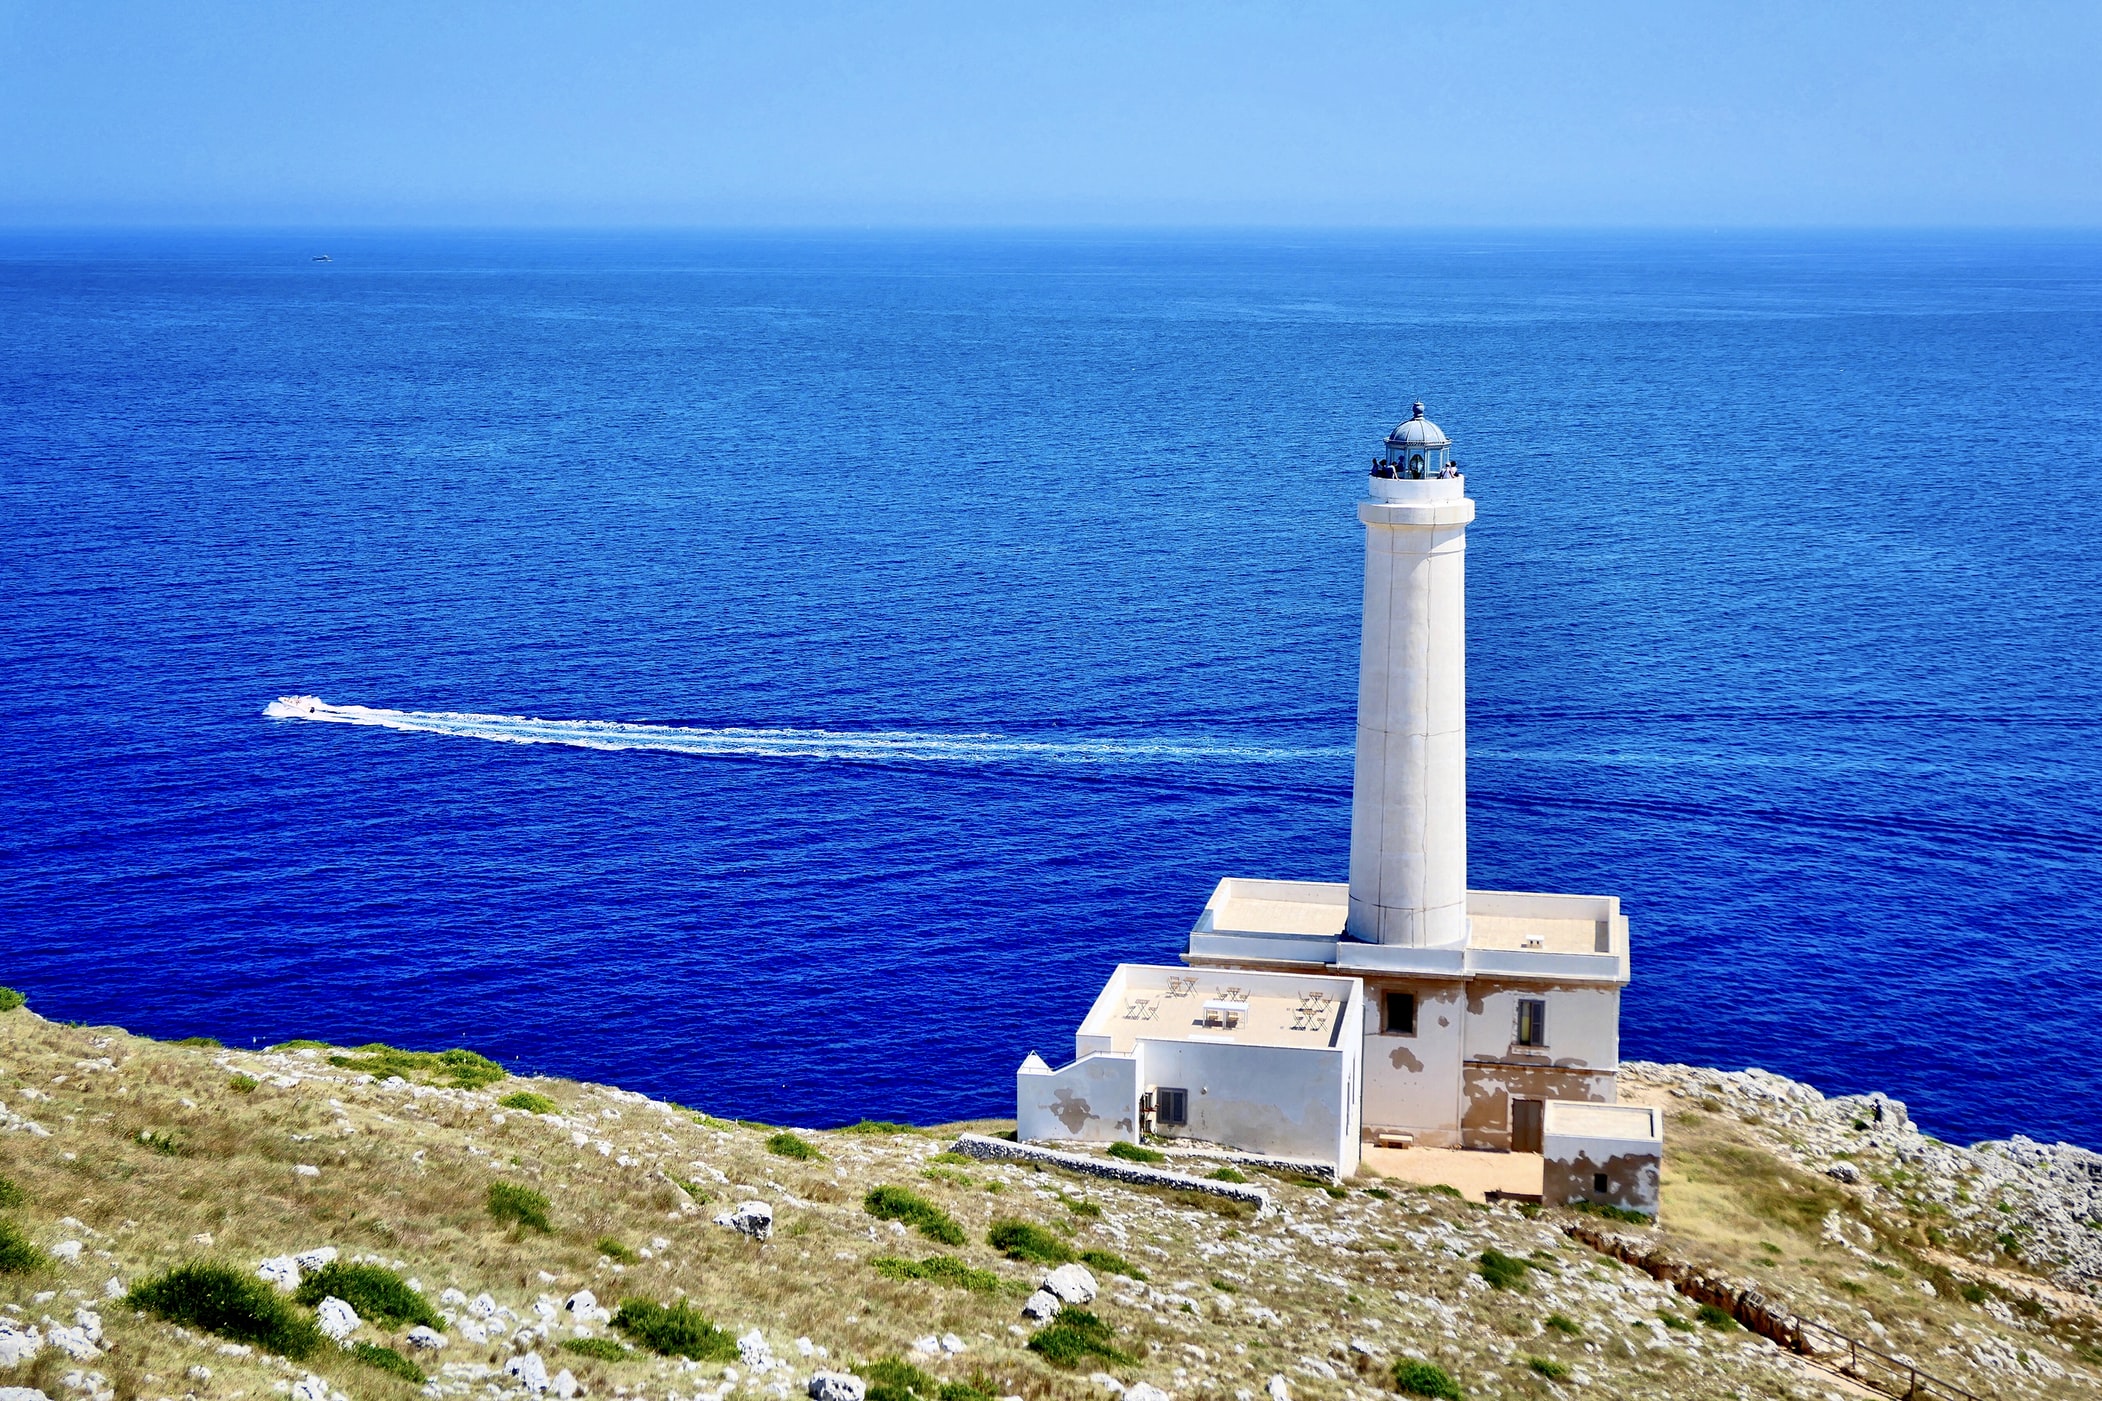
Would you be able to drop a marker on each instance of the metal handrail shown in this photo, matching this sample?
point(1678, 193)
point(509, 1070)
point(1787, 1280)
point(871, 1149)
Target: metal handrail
point(1861, 1357)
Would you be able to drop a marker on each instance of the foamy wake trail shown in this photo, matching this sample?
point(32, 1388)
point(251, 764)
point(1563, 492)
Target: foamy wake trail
point(737, 742)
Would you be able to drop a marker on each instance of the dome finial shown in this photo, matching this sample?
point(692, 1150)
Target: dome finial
point(1419, 410)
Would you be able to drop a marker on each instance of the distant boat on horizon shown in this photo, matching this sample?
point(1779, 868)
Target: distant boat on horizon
point(323, 258)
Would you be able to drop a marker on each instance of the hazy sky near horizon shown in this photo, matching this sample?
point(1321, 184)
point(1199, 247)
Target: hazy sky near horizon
point(623, 113)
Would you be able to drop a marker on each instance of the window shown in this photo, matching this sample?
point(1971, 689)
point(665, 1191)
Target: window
point(1598, 1182)
point(1532, 1021)
point(1401, 1014)
point(1171, 1106)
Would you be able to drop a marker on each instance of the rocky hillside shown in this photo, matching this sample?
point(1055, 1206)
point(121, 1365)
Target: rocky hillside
point(312, 1222)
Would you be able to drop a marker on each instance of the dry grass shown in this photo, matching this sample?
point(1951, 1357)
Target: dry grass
point(405, 1171)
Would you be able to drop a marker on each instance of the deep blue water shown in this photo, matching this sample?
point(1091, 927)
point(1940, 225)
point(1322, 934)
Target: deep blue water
point(1785, 625)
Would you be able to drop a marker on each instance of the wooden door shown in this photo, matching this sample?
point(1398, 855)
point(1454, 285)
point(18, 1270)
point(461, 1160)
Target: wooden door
point(1525, 1125)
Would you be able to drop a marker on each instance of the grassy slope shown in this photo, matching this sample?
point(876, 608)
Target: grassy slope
point(1230, 1301)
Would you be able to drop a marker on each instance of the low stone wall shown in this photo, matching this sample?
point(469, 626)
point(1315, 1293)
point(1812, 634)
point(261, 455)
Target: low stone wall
point(1737, 1298)
point(973, 1145)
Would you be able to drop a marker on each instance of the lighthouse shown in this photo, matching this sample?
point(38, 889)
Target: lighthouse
point(1343, 1022)
point(1408, 814)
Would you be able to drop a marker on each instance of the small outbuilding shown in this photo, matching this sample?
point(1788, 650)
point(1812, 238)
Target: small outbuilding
point(1606, 1154)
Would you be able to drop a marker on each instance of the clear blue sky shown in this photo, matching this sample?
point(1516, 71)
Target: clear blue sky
point(602, 112)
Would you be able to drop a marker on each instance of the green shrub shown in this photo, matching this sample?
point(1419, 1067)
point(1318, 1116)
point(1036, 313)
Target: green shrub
point(212, 1042)
point(1074, 1337)
point(677, 1331)
point(223, 1300)
point(897, 1204)
point(1415, 1378)
point(243, 1084)
point(463, 1070)
point(604, 1349)
point(691, 1189)
point(1132, 1153)
point(939, 1269)
point(300, 1043)
point(1613, 1213)
point(1445, 1189)
point(1720, 1320)
point(1380, 1194)
point(1108, 1263)
point(614, 1250)
point(1504, 1271)
point(892, 1379)
point(373, 1290)
point(165, 1144)
point(530, 1102)
point(388, 1360)
point(1018, 1240)
point(18, 1254)
point(1080, 1206)
point(10, 999)
point(959, 1159)
point(878, 1126)
point(1675, 1323)
point(787, 1145)
point(1227, 1175)
point(511, 1204)
point(1226, 1286)
point(1565, 1325)
point(10, 1194)
point(1547, 1367)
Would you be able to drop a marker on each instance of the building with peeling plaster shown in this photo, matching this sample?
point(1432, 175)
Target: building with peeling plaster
point(1477, 1009)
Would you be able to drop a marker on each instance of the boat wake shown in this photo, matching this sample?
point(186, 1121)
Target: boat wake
point(868, 746)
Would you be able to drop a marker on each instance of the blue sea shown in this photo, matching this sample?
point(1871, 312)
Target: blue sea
point(928, 621)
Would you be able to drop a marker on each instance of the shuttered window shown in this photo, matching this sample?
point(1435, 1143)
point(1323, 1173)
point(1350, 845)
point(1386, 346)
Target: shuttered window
point(1532, 1021)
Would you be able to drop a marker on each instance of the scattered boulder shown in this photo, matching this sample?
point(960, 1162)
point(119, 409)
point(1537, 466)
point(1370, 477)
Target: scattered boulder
point(1844, 1171)
point(952, 1344)
point(280, 1271)
point(837, 1386)
point(565, 1384)
point(474, 1330)
point(18, 1343)
point(66, 1252)
point(1278, 1390)
point(1042, 1305)
point(30, 1393)
point(1144, 1391)
point(754, 1353)
point(583, 1303)
point(425, 1338)
point(317, 1257)
point(1071, 1283)
point(754, 1219)
point(530, 1371)
point(336, 1319)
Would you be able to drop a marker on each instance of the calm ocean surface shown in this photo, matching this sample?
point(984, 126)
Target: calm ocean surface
point(1785, 625)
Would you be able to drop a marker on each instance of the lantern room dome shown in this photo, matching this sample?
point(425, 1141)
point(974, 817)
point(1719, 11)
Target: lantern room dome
point(1418, 432)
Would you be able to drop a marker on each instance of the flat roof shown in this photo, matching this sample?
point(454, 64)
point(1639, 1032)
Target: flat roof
point(1510, 921)
point(1580, 1119)
point(1223, 1005)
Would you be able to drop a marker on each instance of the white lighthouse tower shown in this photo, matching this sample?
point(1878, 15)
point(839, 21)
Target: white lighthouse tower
point(1408, 815)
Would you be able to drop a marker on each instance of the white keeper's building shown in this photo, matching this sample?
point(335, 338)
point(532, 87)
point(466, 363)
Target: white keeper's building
point(1309, 1017)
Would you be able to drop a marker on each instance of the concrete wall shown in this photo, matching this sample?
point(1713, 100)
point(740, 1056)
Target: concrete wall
point(1583, 1023)
point(1095, 1099)
point(1491, 1086)
point(1629, 1159)
point(1290, 1102)
point(1413, 1082)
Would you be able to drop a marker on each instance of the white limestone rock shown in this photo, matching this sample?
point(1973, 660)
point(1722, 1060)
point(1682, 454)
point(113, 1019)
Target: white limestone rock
point(66, 1252)
point(474, 1330)
point(18, 1342)
point(426, 1338)
point(951, 1344)
point(280, 1271)
point(336, 1319)
point(22, 1393)
point(1071, 1283)
point(754, 1353)
point(583, 1303)
point(565, 1384)
point(1278, 1390)
point(1844, 1171)
point(837, 1386)
point(317, 1257)
point(1042, 1305)
point(754, 1219)
point(1145, 1391)
point(530, 1371)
